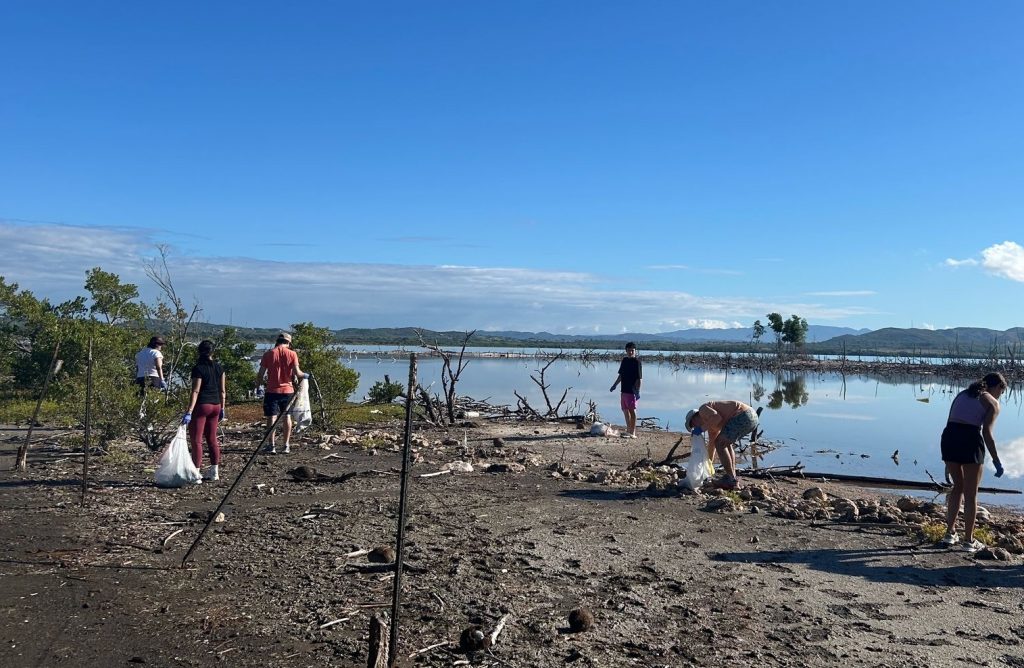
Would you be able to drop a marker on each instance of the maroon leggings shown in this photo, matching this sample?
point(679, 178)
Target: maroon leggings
point(205, 418)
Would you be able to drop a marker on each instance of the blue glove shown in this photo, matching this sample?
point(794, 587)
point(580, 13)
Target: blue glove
point(160, 384)
point(306, 376)
point(186, 418)
point(636, 395)
point(999, 468)
point(697, 431)
point(222, 414)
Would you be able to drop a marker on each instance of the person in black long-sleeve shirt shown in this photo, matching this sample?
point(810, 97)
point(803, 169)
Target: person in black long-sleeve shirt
point(629, 378)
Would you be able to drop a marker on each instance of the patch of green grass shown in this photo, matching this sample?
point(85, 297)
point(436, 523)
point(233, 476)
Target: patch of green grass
point(19, 411)
point(370, 413)
point(985, 535)
point(934, 531)
point(736, 498)
point(119, 456)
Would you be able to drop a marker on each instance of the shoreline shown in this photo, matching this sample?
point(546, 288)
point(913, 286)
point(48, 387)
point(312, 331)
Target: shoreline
point(547, 520)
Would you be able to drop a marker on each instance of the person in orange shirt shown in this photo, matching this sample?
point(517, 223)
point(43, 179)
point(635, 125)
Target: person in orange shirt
point(725, 422)
point(280, 367)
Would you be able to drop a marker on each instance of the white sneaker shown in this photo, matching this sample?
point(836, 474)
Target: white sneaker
point(271, 450)
point(287, 450)
point(973, 546)
point(211, 474)
point(949, 540)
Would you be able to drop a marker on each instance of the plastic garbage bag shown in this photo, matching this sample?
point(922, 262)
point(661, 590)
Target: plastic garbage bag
point(598, 429)
point(699, 468)
point(175, 468)
point(301, 412)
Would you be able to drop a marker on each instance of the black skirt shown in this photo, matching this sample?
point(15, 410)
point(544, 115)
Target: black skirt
point(963, 444)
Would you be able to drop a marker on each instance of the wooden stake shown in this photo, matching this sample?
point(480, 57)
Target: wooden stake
point(22, 461)
point(402, 504)
point(88, 423)
point(378, 657)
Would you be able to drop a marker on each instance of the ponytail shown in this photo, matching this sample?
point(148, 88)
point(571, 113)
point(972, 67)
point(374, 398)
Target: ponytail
point(991, 381)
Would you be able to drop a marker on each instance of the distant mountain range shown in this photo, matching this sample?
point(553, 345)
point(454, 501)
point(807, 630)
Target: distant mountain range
point(968, 341)
point(815, 333)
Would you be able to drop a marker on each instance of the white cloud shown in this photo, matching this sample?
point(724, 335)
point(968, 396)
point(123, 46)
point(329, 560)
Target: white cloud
point(969, 262)
point(696, 270)
point(1005, 260)
point(841, 293)
point(51, 260)
point(1011, 454)
point(927, 325)
point(697, 323)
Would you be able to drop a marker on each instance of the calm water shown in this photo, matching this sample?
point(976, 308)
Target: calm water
point(822, 420)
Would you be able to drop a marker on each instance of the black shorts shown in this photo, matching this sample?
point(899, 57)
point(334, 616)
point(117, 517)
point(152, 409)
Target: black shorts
point(963, 444)
point(274, 404)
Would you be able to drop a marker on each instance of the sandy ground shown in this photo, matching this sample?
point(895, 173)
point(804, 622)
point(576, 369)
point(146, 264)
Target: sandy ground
point(669, 582)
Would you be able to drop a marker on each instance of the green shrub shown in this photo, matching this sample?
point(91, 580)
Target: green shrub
point(385, 392)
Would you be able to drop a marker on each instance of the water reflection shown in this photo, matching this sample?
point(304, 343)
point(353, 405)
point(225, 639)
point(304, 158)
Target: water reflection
point(829, 422)
point(791, 391)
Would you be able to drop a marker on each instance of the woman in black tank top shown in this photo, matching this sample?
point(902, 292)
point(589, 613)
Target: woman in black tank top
point(967, 434)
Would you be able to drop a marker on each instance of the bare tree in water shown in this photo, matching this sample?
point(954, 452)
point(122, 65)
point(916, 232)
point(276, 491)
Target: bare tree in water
point(453, 364)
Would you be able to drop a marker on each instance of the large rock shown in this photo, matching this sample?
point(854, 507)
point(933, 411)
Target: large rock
point(908, 504)
point(814, 494)
point(846, 510)
point(721, 504)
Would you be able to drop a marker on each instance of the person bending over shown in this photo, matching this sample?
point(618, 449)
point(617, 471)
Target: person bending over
point(725, 423)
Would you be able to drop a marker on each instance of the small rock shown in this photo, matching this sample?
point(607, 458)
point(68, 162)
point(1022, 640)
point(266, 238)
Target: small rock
point(473, 639)
point(499, 442)
point(506, 467)
point(459, 467)
point(581, 619)
point(219, 518)
point(304, 473)
point(382, 554)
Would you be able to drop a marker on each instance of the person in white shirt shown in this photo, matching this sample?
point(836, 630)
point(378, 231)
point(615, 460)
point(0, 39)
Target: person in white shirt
point(149, 366)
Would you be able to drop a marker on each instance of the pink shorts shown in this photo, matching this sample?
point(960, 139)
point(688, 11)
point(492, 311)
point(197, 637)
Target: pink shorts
point(628, 401)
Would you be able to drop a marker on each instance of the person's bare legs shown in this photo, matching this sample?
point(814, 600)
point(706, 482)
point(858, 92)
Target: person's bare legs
point(270, 426)
point(726, 455)
point(971, 481)
point(630, 421)
point(955, 495)
point(287, 422)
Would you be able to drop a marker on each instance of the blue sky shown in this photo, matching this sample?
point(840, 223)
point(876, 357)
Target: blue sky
point(560, 166)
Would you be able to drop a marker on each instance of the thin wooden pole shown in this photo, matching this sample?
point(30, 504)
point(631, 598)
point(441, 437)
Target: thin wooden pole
point(22, 461)
point(402, 505)
point(320, 396)
point(88, 423)
point(241, 474)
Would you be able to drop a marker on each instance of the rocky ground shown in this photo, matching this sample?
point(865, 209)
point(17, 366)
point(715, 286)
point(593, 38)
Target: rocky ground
point(549, 520)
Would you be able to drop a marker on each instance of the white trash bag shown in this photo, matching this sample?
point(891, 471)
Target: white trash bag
point(175, 468)
point(301, 413)
point(699, 468)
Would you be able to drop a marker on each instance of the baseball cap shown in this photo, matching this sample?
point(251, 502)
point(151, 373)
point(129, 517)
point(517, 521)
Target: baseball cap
point(284, 336)
point(689, 416)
